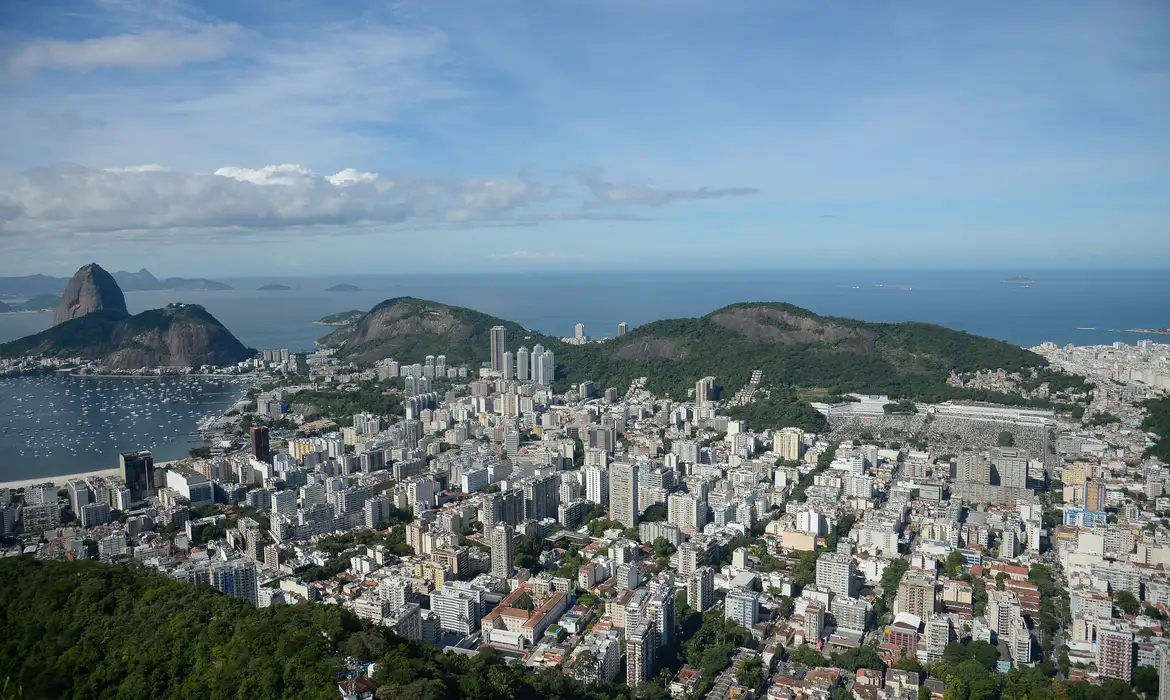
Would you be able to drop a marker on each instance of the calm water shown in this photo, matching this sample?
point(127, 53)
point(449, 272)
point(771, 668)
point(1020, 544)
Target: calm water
point(1055, 308)
point(1065, 307)
point(51, 425)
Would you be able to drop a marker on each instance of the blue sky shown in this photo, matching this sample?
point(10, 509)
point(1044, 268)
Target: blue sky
point(248, 137)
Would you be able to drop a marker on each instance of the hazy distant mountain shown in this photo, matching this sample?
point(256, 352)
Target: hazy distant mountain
point(141, 281)
point(275, 288)
point(40, 302)
point(343, 288)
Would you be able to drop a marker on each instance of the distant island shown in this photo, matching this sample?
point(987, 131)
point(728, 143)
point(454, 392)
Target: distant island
point(343, 318)
point(40, 302)
point(343, 288)
point(1151, 331)
point(275, 288)
point(141, 281)
point(1019, 280)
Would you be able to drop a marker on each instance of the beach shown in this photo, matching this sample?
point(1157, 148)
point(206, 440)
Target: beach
point(61, 480)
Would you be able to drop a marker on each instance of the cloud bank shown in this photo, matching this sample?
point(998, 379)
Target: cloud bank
point(68, 200)
point(151, 49)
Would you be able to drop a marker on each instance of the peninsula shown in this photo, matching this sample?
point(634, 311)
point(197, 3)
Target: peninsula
point(1150, 331)
point(343, 318)
point(91, 324)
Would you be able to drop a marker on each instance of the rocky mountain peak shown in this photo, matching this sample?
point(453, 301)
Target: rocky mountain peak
point(91, 289)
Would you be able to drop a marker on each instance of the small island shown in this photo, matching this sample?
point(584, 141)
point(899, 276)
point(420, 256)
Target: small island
point(1151, 331)
point(1019, 280)
point(344, 318)
point(343, 288)
point(275, 288)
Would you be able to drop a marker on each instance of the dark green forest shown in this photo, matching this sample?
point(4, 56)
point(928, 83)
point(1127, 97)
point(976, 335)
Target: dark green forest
point(87, 630)
point(1157, 421)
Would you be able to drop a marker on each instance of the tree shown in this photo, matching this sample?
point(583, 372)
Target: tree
point(750, 673)
point(804, 655)
point(1006, 439)
point(663, 548)
point(1126, 602)
point(1145, 681)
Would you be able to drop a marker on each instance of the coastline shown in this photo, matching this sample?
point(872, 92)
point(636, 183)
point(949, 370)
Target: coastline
point(61, 479)
point(1146, 331)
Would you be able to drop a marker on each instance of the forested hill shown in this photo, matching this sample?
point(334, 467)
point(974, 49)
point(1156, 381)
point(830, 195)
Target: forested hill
point(87, 630)
point(794, 347)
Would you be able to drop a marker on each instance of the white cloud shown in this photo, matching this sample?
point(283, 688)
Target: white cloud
point(608, 193)
point(153, 48)
point(71, 199)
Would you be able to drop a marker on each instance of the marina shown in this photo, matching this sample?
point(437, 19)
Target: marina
point(62, 424)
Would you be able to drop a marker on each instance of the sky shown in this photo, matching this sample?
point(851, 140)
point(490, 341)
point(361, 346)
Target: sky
point(257, 137)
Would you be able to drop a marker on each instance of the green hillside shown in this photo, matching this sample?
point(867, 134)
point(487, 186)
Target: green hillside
point(797, 348)
point(409, 329)
point(87, 630)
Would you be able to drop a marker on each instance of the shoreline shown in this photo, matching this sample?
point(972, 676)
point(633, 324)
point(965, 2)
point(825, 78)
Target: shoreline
point(60, 480)
point(1147, 331)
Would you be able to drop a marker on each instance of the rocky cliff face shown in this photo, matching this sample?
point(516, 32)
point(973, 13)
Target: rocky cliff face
point(181, 335)
point(91, 289)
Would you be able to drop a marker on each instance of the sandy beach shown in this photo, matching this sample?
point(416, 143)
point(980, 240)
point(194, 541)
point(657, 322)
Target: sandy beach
point(59, 481)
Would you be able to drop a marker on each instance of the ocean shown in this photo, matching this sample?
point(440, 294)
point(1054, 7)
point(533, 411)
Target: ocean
point(1080, 307)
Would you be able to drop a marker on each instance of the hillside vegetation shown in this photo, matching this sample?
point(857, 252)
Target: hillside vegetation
point(87, 630)
point(409, 329)
point(181, 335)
point(795, 347)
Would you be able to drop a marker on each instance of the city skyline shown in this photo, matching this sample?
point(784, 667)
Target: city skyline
point(878, 136)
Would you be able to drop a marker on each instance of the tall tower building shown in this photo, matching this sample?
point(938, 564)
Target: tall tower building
point(701, 588)
point(261, 448)
point(705, 390)
point(545, 373)
point(835, 572)
point(503, 550)
point(623, 328)
point(1115, 653)
point(623, 494)
point(641, 654)
point(1012, 467)
point(596, 484)
point(742, 606)
point(508, 369)
point(537, 351)
point(138, 473)
point(579, 332)
point(1095, 496)
point(497, 336)
point(973, 469)
point(916, 595)
point(1164, 673)
point(789, 444)
point(523, 365)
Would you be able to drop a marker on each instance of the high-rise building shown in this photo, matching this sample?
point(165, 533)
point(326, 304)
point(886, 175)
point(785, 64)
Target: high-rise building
point(459, 606)
point(596, 485)
point(1095, 496)
point(1115, 653)
point(916, 595)
point(523, 365)
point(508, 369)
point(687, 510)
point(789, 444)
point(851, 613)
point(497, 341)
point(579, 331)
point(540, 498)
point(1164, 672)
point(742, 606)
point(79, 495)
point(261, 449)
point(545, 367)
point(836, 572)
point(623, 493)
point(814, 622)
point(537, 351)
point(641, 654)
point(503, 550)
point(1011, 465)
point(973, 469)
point(623, 328)
point(138, 473)
point(705, 390)
point(701, 588)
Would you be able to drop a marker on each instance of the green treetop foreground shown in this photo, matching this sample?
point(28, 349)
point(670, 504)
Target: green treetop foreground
point(87, 630)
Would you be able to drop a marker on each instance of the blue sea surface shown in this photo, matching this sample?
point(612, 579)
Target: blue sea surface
point(1081, 307)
